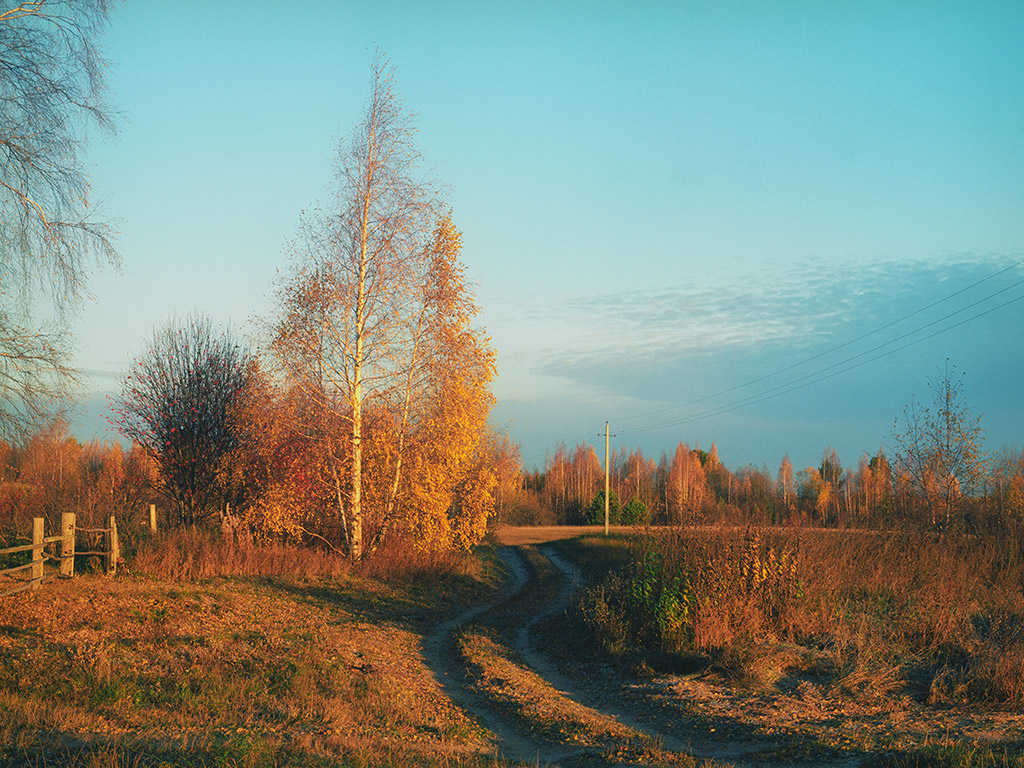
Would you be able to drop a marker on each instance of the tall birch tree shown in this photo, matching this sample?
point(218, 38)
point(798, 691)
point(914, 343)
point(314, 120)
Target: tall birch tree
point(350, 309)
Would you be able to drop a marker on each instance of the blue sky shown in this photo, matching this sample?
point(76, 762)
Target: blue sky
point(660, 202)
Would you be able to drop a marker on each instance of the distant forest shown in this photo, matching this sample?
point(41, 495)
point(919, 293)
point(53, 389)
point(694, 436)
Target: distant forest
point(693, 487)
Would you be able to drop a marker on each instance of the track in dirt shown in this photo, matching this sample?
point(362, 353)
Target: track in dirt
point(440, 651)
point(441, 656)
point(603, 699)
point(806, 719)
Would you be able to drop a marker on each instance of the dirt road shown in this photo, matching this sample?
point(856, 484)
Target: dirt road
point(489, 662)
point(506, 663)
point(517, 536)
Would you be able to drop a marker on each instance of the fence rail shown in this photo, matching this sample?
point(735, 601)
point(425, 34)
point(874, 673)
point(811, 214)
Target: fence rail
point(65, 559)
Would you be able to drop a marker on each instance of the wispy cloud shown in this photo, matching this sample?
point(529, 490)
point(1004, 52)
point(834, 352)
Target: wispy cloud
point(760, 362)
point(783, 313)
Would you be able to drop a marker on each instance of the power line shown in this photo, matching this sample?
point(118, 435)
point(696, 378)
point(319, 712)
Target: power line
point(842, 346)
point(792, 386)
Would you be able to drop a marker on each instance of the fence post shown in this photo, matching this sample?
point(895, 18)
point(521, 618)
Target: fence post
point(152, 517)
point(113, 547)
point(38, 534)
point(67, 544)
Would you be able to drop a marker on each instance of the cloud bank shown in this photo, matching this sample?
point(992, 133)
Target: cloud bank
point(807, 347)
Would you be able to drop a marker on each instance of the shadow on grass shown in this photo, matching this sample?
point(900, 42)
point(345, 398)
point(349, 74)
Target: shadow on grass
point(234, 750)
point(415, 607)
point(359, 603)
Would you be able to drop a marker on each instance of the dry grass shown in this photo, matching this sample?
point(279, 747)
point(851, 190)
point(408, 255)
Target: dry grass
point(959, 756)
point(320, 666)
point(189, 554)
point(949, 608)
point(938, 617)
point(195, 554)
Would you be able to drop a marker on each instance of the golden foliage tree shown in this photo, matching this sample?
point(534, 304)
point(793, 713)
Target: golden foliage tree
point(349, 310)
point(687, 485)
point(785, 482)
point(375, 335)
point(450, 483)
point(507, 465)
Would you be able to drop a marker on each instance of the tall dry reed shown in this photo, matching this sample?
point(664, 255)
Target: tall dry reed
point(942, 613)
point(188, 554)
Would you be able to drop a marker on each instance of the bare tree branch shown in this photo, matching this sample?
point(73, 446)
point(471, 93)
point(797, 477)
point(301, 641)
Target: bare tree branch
point(52, 89)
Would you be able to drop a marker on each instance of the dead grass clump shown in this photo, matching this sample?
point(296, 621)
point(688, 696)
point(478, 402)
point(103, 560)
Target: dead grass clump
point(401, 561)
point(187, 554)
point(952, 603)
point(949, 756)
point(938, 616)
point(993, 669)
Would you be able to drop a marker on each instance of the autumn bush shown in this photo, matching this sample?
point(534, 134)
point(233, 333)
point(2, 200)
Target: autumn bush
point(938, 616)
point(697, 594)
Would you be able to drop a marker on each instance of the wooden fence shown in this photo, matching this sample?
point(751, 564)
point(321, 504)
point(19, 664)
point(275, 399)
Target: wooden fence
point(66, 557)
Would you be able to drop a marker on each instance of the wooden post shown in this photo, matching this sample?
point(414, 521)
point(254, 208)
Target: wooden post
point(152, 518)
point(37, 552)
point(67, 544)
point(113, 547)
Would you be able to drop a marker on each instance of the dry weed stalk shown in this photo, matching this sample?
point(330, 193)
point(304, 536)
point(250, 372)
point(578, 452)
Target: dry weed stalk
point(874, 612)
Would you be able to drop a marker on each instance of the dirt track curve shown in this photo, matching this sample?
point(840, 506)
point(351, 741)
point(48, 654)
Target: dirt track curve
point(617, 726)
point(545, 703)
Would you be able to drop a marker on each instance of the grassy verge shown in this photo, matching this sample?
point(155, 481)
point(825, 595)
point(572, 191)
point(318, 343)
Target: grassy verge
point(938, 618)
point(960, 756)
point(321, 666)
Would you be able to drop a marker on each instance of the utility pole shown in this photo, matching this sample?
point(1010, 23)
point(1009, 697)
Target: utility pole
point(606, 478)
point(606, 436)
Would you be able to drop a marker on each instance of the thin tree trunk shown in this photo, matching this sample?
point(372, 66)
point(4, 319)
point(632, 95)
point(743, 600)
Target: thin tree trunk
point(389, 513)
point(340, 496)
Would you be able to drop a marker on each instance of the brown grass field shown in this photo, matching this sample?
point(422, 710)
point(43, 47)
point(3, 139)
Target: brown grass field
point(896, 652)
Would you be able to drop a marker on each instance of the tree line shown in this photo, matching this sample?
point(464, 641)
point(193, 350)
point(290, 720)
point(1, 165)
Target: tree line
point(938, 477)
point(694, 487)
point(52, 472)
